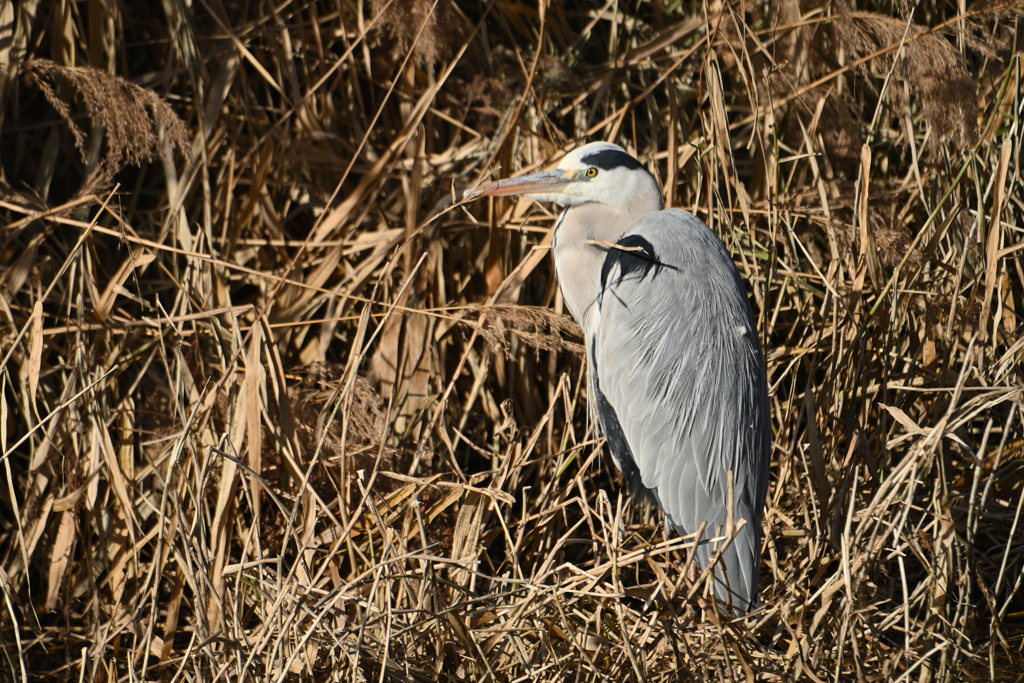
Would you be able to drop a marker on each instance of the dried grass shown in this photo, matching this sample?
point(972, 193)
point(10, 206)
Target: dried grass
point(128, 115)
point(273, 410)
point(935, 73)
point(402, 22)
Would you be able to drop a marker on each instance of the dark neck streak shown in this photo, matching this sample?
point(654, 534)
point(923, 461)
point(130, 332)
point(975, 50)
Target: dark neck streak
point(578, 262)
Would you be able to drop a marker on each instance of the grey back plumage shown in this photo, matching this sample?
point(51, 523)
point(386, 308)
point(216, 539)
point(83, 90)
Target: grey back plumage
point(679, 384)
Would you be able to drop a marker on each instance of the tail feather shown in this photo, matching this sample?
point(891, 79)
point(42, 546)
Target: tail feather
point(737, 571)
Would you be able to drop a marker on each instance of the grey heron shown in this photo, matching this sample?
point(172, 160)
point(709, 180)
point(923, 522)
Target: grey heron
point(675, 370)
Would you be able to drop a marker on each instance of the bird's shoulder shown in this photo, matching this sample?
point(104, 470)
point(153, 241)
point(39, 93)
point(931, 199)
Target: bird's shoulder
point(670, 243)
point(676, 234)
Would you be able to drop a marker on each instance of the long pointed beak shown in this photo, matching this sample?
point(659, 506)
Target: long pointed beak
point(545, 182)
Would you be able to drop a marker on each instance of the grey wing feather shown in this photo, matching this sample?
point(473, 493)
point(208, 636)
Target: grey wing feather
point(680, 383)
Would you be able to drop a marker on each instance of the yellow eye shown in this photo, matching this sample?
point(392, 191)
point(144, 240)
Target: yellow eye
point(591, 172)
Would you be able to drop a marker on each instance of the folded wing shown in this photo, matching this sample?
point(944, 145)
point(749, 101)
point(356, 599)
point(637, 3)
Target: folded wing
point(679, 382)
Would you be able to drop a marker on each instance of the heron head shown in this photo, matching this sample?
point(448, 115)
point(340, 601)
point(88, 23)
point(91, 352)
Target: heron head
point(599, 172)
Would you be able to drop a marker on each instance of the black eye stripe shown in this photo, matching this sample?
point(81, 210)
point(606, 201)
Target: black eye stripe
point(607, 159)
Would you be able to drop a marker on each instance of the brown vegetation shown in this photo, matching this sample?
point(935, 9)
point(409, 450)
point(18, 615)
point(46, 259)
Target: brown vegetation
point(273, 407)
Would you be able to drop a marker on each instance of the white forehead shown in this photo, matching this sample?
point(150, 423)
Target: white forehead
point(603, 155)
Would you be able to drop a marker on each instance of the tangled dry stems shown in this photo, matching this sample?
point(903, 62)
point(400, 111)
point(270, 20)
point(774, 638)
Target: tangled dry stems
point(277, 410)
